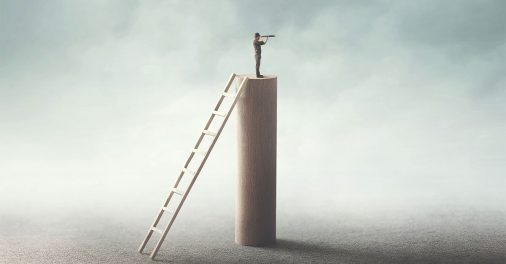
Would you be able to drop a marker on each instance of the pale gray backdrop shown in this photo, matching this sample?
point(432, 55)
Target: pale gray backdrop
point(391, 128)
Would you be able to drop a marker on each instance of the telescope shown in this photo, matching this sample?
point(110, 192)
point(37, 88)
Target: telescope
point(268, 36)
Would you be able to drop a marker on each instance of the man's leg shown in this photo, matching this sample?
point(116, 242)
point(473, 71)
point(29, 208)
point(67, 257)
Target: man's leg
point(258, 58)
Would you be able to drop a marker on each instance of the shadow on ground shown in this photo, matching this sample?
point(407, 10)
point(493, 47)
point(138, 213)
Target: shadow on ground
point(293, 251)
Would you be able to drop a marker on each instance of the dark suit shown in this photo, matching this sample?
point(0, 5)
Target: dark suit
point(257, 44)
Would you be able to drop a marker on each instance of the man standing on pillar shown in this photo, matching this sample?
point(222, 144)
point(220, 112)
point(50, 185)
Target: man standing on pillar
point(257, 43)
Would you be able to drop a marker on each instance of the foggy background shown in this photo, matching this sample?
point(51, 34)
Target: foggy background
point(385, 109)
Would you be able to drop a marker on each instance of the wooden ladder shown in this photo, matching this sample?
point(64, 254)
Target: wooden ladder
point(187, 172)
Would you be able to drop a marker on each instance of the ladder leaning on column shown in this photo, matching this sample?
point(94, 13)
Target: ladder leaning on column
point(187, 172)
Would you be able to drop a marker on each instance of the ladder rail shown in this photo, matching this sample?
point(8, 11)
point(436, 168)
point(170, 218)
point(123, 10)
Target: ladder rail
point(201, 137)
point(188, 160)
point(224, 91)
point(173, 218)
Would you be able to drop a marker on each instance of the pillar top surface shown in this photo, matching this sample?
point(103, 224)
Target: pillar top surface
point(254, 77)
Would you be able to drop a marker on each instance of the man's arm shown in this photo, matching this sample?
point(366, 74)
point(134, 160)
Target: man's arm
point(259, 42)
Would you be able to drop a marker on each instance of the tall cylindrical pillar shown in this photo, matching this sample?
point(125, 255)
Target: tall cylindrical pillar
point(255, 219)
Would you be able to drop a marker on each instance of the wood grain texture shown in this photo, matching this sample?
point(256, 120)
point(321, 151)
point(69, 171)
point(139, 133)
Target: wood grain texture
point(256, 180)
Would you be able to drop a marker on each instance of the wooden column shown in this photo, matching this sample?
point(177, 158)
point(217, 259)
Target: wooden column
point(255, 222)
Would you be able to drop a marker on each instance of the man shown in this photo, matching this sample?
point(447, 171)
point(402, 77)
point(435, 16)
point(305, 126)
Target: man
point(257, 43)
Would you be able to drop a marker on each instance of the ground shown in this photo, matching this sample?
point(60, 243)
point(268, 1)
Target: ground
point(407, 235)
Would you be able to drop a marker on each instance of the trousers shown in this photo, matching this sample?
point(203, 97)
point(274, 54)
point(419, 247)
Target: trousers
point(258, 57)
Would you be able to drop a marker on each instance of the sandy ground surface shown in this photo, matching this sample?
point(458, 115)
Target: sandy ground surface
point(204, 235)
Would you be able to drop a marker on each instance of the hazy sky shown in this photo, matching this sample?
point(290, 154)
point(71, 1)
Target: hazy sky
point(378, 100)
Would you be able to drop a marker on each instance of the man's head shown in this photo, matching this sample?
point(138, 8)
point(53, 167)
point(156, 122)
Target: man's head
point(257, 35)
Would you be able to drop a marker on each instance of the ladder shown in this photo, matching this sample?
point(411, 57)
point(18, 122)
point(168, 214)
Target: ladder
point(187, 171)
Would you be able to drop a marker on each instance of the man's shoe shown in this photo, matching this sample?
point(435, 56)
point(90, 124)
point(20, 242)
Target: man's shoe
point(260, 76)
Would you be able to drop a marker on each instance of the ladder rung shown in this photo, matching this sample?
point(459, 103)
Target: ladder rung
point(210, 133)
point(228, 95)
point(197, 151)
point(157, 230)
point(189, 171)
point(177, 191)
point(166, 209)
point(219, 113)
